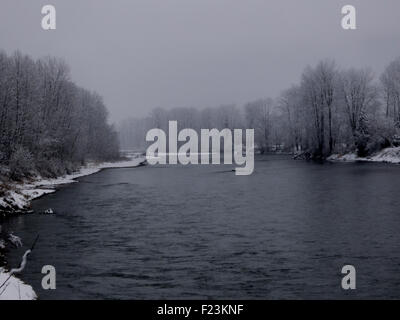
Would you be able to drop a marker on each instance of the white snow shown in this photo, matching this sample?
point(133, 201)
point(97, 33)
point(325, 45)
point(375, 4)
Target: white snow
point(14, 288)
point(388, 155)
point(344, 157)
point(15, 240)
point(22, 194)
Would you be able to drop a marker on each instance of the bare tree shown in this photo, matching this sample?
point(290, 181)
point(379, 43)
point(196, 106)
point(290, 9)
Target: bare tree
point(258, 116)
point(48, 124)
point(390, 80)
point(359, 96)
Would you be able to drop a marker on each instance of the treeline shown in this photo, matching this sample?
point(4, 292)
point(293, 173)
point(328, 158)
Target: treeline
point(48, 124)
point(331, 110)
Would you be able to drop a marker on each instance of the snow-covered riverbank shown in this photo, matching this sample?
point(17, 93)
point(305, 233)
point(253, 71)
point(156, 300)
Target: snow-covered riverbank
point(20, 195)
point(17, 199)
point(14, 289)
point(388, 155)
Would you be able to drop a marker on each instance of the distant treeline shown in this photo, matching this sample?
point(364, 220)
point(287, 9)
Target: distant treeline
point(331, 110)
point(48, 125)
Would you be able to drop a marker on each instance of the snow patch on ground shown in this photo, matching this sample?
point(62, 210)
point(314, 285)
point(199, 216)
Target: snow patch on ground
point(20, 195)
point(343, 157)
point(14, 288)
point(388, 155)
point(15, 240)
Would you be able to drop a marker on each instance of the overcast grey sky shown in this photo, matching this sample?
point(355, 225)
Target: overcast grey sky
point(141, 54)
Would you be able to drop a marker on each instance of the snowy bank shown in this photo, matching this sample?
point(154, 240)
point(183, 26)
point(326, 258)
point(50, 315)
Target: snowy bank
point(14, 289)
point(388, 155)
point(19, 196)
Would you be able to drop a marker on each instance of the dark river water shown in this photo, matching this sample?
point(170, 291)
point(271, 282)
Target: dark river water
point(196, 232)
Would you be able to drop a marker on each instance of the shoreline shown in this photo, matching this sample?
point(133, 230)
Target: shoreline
point(19, 196)
point(17, 200)
point(388, 155)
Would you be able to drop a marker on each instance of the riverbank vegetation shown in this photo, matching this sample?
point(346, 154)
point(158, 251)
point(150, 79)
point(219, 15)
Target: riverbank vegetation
point(49, 126)
point(330, 111)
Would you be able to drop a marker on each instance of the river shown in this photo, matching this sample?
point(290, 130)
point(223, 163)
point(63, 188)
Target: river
point(194, 232)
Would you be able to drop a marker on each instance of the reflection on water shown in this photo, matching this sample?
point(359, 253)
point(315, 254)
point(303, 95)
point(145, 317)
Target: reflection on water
point(203, 232)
